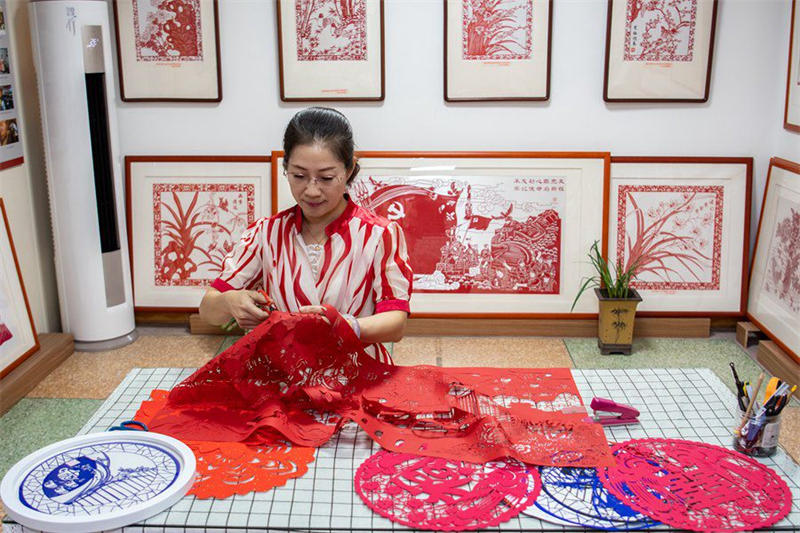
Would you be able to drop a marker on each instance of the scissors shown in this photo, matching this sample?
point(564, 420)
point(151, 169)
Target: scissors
point(123, 426)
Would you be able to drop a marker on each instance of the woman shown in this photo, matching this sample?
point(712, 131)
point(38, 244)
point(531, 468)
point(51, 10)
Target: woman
point(324, 250)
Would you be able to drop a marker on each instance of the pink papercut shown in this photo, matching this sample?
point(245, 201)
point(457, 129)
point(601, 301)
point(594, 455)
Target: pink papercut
point(194, 228)
point(475, 238)
point(782, 279)
point(5, 333)
point(167, 30)
point(497, 29)
point(660, 30)
point(696, 486)
point(331, 30)
point(445, 495)
point(673, 234)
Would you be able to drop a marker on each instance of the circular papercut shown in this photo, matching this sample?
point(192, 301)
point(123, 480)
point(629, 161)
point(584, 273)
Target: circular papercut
point(441, 494)
point(576, 497)
point(696, 486)
point(98, 481)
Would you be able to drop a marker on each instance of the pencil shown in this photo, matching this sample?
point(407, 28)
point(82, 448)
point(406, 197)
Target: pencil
point(750, 405)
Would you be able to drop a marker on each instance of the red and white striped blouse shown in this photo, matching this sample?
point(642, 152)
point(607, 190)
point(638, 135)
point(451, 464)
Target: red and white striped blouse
point(364, 269)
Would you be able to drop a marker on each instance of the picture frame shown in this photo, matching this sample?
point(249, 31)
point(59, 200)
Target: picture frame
point(687, 220)
point(659, 55)
point(490, 238)
point(774, 292)
point(197, 203)
point(791, 115)
point(512, 66)
point(334, 56)
point(154, 66)
point(18, 337)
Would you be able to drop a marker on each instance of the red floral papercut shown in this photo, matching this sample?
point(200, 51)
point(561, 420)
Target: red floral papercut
point(696, 486)
point(5, 333)
point(497, 30)
point(331, 30)
point(297, 374)
point(440, 494)
point(167, 30)
point(228, 468)
point(660, 30)
point(782, 278)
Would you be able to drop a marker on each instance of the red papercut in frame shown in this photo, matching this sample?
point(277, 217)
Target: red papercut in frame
point(30, 351)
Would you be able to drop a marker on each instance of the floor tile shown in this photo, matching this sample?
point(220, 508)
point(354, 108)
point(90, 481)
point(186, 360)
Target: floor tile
point(417, 351)
point(507, 352)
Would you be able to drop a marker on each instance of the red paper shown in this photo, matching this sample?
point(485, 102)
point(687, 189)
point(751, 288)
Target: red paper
point(436, 493)
point(696, 486)
point(299, 375)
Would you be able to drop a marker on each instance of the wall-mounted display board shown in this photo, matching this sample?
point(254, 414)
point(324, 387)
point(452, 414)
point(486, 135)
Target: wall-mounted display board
point(495, 234)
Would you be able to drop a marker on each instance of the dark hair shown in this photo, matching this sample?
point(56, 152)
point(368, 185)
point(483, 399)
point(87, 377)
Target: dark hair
point(326, 126)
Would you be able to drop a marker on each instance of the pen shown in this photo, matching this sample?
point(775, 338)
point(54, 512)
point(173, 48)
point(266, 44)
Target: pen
point(750, 405)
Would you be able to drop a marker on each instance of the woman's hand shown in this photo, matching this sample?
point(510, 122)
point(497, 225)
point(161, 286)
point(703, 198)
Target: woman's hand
point(314, 310)
point(244, 305)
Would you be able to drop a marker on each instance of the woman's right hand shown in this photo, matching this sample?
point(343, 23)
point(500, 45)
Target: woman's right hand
point(243, 305)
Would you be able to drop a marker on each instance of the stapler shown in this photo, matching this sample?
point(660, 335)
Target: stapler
point(622, 414)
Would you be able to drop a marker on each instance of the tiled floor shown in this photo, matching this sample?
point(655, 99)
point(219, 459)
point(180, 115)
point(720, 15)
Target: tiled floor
point(63, 402)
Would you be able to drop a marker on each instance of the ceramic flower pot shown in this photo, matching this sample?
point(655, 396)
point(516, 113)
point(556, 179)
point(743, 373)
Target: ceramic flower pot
point(615, 323)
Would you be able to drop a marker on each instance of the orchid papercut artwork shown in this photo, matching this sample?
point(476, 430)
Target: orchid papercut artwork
point(497, 29)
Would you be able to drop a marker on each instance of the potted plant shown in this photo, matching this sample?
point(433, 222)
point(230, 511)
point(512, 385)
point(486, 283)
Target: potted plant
point(617, 302)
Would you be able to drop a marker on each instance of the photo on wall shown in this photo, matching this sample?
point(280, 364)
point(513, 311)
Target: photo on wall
point(184, 215)
point(492, 233)
point(683, 222)
point(659, 51)
point(497, 50)
point(331, 50)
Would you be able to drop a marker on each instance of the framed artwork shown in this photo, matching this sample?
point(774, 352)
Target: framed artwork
point(331, 50)
point(659, 51)
point(11, 153)
point(497, 50)
point(18, 339)
point(168, 51)
point(791, 116)
point(774, 304)
point(494, 234)
point(684, 221)
point(184, 215)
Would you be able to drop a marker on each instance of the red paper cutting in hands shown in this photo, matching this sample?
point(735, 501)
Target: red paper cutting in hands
point(303, 376)
point(436, 493)
point(696, 486)
point(228, 468)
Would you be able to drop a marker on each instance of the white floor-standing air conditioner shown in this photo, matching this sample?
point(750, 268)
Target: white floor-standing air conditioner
point(73, 57)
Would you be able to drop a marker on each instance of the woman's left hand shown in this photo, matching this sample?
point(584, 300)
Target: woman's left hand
point(314, 310)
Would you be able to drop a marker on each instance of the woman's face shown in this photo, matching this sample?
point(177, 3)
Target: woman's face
point(318, 180)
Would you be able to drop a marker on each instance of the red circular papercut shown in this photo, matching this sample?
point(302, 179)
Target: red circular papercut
point(441, 494)
point(696, 486)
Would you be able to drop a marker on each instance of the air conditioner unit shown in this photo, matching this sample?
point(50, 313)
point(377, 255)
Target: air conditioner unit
point(72, 54)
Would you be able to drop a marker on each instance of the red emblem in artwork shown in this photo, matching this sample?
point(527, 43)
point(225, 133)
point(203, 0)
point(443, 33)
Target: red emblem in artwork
point(167, 30)
point(660, 30)
point(5, 333)
point(331, 30)
point(194, 228)
point(782, 279)
point(497, 30)
point(482, 237)
point(673, 234)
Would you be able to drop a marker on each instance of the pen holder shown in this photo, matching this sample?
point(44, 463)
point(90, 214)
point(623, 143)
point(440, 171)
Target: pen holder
point(759, 435)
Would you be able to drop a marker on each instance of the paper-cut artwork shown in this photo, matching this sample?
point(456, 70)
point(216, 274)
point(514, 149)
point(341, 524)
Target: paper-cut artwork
point(331, 30)
point(303, 377)
point(660, 30)
point(445, 495)
point(497, 30)
point(476, 234)
point(696, 486)
point(5, 333)
point(782, 279)
point(167, 30)
point(194, 228)
point(673, 234)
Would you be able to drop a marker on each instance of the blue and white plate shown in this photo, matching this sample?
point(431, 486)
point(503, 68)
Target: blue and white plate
point(98, 481)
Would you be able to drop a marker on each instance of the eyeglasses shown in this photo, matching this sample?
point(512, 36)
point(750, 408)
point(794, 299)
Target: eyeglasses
point(304, 180)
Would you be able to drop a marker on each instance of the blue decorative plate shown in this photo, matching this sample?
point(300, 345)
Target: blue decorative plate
point(98, 481)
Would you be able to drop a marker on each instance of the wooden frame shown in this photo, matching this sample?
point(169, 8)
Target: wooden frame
point(154, 78)
point(164, 195)
point(499, 74)
point(338, 75)
point(548, 266)
point(791, 114)
point(700, 252)
point(771, 307)
point(18, 338)
point(682, 74)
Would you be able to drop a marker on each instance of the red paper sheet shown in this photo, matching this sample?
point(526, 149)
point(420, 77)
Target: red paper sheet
point(300, 376)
